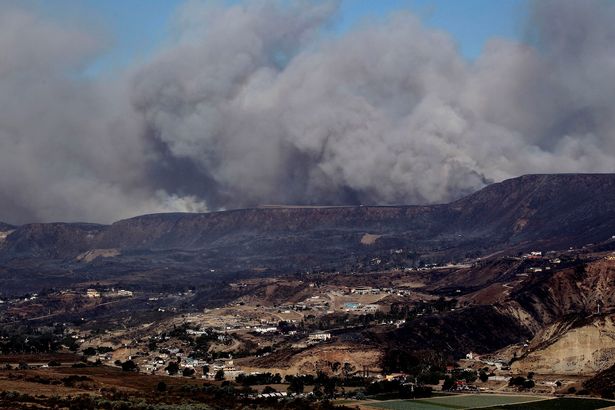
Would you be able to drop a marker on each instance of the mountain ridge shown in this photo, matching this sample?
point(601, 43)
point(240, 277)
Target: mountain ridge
point(554, 210)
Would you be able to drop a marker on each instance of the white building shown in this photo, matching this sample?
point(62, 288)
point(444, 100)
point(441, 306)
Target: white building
point(319, 337)
point(92, 293)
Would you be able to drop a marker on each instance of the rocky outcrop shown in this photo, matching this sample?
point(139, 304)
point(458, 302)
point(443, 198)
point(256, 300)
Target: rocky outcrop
point(582, 350)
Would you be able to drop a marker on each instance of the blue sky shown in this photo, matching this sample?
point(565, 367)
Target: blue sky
point(139, 27)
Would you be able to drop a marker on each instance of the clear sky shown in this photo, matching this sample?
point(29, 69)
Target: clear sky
point(138, 27)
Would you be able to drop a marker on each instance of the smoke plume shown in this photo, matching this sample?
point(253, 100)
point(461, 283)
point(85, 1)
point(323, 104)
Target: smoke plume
point(260, 103)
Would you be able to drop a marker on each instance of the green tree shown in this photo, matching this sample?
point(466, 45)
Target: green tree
point(90, 351)
point(172, 368)
point(296, 385)
point(269, 389)
point(448, 384)
point(129, 366)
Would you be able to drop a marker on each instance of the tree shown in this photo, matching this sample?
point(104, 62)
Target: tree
point(219, 375)
point(188, 372)
point(172, 368)
point(516, 381)
point(483, 376)
point(296, 385)
point(579, 269)
point(329, 387)
point(129, 366)
point(205, 370)
point(90, 351)
point(269, 389)
point(162, 386)
point(335, 366)
point(448, 383)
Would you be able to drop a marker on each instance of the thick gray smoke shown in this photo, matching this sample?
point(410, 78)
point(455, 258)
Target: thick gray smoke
point(255, 103)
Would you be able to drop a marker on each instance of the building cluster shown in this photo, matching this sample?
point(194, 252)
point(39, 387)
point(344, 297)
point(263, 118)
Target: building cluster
point(109, 293)
point(359, 307)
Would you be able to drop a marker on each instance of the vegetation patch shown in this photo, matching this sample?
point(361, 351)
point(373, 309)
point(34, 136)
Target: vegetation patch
point(566, 403)
point(461, 402)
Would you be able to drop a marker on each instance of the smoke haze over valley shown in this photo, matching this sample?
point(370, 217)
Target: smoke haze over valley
point(262, 103)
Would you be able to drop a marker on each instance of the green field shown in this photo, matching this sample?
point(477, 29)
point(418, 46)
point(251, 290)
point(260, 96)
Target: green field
point(494, 402)
point(559, 404)
point(456, 402)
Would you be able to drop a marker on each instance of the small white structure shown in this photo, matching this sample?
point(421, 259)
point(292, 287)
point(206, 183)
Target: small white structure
point(319, 337)
point(472, 356)
point(92, 293)
point(362, 290)
point(265, 329)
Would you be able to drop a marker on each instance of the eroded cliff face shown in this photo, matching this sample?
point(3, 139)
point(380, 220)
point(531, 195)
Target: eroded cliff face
point(583, 350)
point(573, 315)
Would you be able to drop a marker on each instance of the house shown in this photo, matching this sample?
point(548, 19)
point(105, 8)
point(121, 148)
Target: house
point(262, 330)
point(371, 308)
point(92, 293)
point(121, 293)
point(472, 356)
point(319, 337)
point(533, 255)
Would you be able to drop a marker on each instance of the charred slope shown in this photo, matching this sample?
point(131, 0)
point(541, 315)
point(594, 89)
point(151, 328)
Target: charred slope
point(560, 210)
point(555, 310)
point(478, 328)
point(196, 231)
point(602, 383)
point(52, 240)
point(550, 210)
point(549, 296)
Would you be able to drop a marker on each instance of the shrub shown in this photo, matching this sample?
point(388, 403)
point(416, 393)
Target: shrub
point(269, 389)
point(129, 366)
point(90, 351)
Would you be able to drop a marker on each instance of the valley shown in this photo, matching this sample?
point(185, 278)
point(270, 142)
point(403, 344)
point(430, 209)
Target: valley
point(507, 291)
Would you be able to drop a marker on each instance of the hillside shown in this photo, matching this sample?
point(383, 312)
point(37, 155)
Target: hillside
point(564, 209)
point(546, 211)
point(571, 313)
